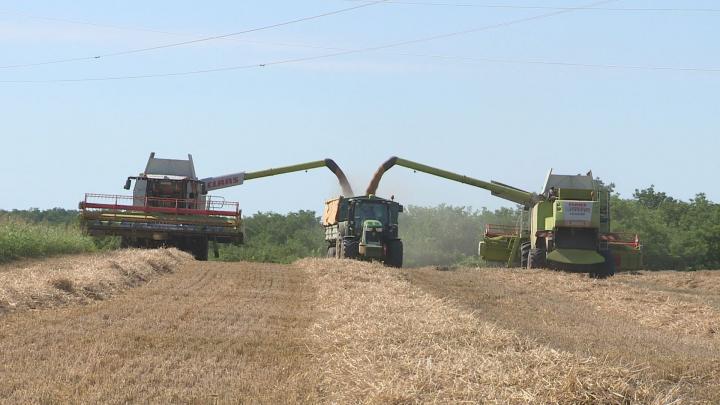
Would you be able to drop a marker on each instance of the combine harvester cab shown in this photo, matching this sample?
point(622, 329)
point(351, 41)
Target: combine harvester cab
point(170, 206)
point(363, 228)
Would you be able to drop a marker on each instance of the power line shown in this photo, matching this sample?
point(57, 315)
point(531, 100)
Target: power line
point(501, 6)
point(568, 64)
point(350, 51)
point(511, 61)
point(151, 30)
point(194, 41)
point(345, 51)
point(533, 7)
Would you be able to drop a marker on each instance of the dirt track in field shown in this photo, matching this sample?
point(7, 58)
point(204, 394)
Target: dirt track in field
point(326, 331)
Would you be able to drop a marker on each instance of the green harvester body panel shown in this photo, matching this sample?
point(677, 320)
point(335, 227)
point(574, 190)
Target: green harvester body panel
point(497, 248)
point(627, 256)
point(575, 256)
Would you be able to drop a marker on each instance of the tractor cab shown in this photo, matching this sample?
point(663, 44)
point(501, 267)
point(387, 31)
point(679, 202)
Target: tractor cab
point(373, 214)
point(374, 220)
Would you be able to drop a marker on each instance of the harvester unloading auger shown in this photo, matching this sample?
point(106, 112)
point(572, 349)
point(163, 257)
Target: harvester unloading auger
point(569, 224)
point(216, 183)
point(170, 206)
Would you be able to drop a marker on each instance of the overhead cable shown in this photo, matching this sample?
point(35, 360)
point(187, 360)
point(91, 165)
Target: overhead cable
point(192, 41)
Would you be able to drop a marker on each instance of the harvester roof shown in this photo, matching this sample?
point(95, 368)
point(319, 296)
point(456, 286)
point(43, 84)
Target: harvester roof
point(576, 182)
point(180, 169)
point(166, 177)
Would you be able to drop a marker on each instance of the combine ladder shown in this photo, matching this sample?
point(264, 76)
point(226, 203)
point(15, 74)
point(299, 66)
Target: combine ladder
point(516, 243)
point(604, 201)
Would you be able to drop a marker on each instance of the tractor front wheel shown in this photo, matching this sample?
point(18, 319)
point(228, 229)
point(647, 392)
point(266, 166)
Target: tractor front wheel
point(394, 254)
point(350, 248)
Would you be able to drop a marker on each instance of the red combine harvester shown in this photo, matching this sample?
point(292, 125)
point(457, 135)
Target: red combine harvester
point(170, 206)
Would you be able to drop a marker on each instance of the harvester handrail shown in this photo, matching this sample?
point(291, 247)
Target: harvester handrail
point(623, 238)
point(164, 205)
point(501, 230)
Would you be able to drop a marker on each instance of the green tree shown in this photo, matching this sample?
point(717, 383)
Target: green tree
point(446, 235)
point(278, 238)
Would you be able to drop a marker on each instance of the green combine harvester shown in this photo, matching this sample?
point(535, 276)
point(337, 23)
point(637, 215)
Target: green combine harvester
point(565, 227)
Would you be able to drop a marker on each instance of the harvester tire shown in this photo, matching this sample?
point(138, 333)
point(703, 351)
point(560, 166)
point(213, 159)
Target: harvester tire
point(331, 252)
point(536, 259)
point(607, 268)
point(200, 249)
point(350, 248)
point(524, 253)
point(394, 254)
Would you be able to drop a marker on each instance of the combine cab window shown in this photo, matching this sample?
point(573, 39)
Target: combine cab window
point(169, 189)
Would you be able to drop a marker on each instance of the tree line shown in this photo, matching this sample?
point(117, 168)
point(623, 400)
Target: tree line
point(675, 234)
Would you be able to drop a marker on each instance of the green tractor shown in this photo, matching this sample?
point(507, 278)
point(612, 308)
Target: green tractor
point(568, 226)
point(363, 228)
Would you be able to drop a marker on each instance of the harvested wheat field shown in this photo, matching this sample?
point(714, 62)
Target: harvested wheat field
point(330, 331)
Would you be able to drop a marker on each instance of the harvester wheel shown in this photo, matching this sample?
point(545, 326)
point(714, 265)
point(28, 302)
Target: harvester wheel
point(524, 253)
point(350, 248)
point(609, 263)
point(536, 259)
point(607, 268)
point(394, 254)
point(331, 252)
point(200, 248)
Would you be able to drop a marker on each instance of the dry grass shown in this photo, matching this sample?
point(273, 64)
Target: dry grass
point(329, 331)
point(699, 286)
point(629, 319)
point(209, 333)
point(630, 296)
point(47, 283)
point(383, 340)
point(705, 280)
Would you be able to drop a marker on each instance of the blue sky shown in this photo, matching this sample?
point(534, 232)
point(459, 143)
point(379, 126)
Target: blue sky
point(509, 122)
